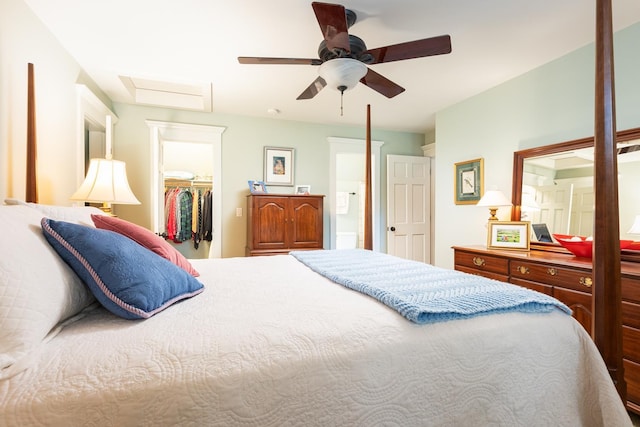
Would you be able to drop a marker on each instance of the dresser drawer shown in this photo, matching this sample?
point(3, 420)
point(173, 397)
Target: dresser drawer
point(631, 314)
point(535, 286)
point(579, 302)
point(632, 378)
point(552, 275)
point(630, 289)
point(631, 343)
point(487, 274)
point(481, 263)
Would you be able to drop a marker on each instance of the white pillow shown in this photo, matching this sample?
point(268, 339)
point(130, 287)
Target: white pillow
point(38, 290)
point(77, 215)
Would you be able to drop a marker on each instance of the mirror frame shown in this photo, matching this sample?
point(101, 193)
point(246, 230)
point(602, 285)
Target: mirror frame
point(518, 165)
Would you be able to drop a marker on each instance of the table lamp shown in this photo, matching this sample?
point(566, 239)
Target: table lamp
point(106, 182)
point(494, 199)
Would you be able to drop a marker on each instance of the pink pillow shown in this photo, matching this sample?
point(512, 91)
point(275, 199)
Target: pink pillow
point(145, 238)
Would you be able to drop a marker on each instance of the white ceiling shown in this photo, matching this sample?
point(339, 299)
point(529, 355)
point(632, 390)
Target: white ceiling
point(197, 42)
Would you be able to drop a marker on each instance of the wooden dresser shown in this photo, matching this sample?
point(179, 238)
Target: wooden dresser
point(568, 279)
point(277, 224)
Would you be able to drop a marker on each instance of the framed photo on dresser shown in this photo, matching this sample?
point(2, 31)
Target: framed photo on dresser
point(508, 235)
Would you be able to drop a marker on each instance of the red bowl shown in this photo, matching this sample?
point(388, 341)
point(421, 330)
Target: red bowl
point(582, 247)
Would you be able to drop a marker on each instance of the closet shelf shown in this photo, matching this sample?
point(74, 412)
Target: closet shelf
point(169, 182)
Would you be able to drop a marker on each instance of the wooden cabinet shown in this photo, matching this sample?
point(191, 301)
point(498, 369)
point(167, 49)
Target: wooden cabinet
point(568, 279)
point(277, 224)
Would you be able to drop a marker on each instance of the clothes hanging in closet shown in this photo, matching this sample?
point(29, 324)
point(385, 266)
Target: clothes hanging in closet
point(188, 215)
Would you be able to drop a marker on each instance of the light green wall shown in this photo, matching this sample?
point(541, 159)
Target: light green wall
point(242, 155)
point(24, 39)
point(550, 104)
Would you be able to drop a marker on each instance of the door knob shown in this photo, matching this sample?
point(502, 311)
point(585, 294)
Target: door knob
point(392, 228)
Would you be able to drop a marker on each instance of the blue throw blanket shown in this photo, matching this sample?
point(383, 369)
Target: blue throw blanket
point(421, 292)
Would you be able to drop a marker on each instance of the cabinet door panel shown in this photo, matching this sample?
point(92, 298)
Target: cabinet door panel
point(306, 222)
point(269, 223)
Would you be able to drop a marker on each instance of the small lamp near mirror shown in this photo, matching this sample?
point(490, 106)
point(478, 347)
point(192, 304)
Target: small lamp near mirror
point(494, 199)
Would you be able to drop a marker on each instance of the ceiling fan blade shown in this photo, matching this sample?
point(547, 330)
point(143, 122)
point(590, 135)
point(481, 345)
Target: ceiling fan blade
point(281, 61)
point(333, 24)
point(313, 89)
point(416, 49)
point(381, 84)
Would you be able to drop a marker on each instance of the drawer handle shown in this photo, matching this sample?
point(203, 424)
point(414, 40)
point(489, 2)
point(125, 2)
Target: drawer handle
point(586, 281)
point(552, 271)
point(478, 261)
point(522, 269)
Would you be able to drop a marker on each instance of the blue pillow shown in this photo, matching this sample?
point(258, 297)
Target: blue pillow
point(126, 278)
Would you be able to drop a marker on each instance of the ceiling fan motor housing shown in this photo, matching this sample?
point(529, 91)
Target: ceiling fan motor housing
point(356, 46)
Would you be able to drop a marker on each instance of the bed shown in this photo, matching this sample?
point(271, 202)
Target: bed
point(269, 341)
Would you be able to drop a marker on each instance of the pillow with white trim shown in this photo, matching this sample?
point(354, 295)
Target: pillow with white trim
point(126, 278)
point(38, 290)
point(146, 238)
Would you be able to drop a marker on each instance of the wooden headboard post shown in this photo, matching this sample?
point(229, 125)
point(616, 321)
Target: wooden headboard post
point(607, 305)
point(368, 229)
point(31, 194)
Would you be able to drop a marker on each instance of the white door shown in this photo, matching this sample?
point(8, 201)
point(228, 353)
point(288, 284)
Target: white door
point(408, 207)
point(555, 207)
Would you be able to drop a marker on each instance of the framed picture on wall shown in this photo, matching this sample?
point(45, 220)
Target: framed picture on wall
point(508, 235)
point(278, 166)
point(469, 181)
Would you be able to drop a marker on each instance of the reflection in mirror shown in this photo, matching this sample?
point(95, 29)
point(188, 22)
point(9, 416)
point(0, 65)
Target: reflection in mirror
point(557, 190)
point(553, 185)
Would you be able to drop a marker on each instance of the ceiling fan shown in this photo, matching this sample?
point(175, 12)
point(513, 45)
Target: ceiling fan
point(343, 57)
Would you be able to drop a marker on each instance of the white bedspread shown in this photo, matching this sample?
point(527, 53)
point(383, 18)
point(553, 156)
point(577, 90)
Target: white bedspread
point(270, 343)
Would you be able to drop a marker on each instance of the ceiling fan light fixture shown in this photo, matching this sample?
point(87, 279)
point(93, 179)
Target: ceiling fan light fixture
point(342, 73)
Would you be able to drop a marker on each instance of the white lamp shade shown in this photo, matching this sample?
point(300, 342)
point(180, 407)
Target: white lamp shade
point(635, 228)
point(106, 182)
point(494, 198)
point(345, 72)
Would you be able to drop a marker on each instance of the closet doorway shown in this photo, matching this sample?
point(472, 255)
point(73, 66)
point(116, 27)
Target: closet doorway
point(187, 158)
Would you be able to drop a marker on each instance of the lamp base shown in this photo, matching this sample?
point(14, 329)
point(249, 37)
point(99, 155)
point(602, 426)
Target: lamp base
point(492, 212)
point(106, 208)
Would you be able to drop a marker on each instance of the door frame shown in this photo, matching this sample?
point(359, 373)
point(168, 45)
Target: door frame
point(338, 145)
point(160, 131)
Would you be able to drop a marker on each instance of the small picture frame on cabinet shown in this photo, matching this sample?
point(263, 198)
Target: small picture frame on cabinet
point(303, 189)
point(257, 187)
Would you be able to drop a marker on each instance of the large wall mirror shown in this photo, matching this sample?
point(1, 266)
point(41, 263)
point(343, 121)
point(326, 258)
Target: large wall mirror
point(553, 185)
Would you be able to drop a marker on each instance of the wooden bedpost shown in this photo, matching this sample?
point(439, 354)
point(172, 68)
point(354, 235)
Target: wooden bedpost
point(368, 229)
point(607, 305)
point(31, 194)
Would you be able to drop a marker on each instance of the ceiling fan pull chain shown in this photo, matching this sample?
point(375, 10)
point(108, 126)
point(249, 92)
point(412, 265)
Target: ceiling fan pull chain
point(341, 89)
